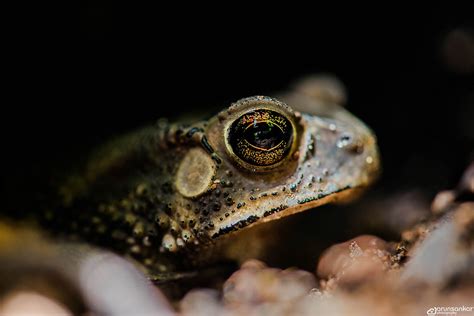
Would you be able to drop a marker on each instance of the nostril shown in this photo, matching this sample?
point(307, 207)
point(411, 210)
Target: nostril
point(344, 141)
point(349, 143)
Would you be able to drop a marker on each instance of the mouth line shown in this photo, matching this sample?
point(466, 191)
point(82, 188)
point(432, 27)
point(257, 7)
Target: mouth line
point(284, 210)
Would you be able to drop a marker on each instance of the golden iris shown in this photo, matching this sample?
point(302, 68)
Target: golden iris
point(261, 137)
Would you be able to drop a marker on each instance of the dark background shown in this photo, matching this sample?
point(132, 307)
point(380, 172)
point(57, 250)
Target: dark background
point(125, 65)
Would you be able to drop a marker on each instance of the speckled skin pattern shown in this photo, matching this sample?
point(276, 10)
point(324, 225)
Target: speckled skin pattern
point(166, 194)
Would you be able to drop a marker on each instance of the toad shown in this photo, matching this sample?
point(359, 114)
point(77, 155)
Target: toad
point(168, 195)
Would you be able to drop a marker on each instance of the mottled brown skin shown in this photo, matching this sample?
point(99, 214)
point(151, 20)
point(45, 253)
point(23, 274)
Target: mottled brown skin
point(168, 194)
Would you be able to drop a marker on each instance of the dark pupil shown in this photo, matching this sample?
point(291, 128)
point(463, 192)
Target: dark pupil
point(263, 135)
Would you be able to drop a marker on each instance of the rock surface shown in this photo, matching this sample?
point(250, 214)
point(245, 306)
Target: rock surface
point(429, 271)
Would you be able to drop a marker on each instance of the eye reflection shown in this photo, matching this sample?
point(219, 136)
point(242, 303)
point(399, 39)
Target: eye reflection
point(261, 137)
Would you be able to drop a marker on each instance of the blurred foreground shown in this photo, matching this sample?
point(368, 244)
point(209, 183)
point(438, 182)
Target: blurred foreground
point(431, 270)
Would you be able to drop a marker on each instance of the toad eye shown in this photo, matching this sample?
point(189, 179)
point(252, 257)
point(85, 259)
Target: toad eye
point(261, 137)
